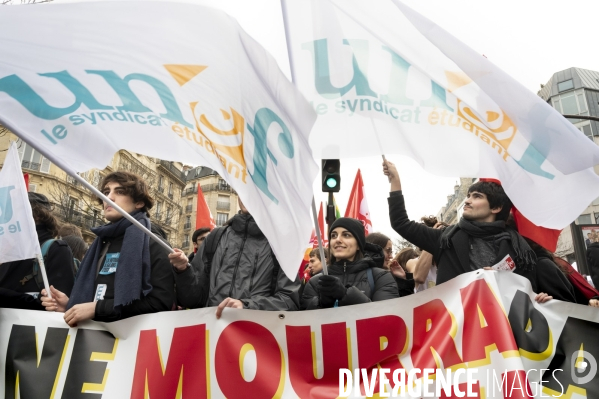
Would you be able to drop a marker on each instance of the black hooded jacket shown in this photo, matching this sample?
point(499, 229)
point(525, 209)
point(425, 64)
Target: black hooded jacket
point(354, 276)
point(59, 268)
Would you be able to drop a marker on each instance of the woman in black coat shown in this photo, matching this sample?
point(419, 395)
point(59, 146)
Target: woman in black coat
point(355, 273)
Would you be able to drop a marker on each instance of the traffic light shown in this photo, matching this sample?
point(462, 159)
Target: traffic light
point(331, 177)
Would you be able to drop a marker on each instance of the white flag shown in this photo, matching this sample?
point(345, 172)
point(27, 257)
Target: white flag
point(385, 80)
point(18, 237)
point(176, 81)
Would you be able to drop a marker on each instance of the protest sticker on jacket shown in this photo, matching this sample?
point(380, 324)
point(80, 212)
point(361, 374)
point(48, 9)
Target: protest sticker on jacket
point(385, 80)
point(481, 333)
point(180, 82)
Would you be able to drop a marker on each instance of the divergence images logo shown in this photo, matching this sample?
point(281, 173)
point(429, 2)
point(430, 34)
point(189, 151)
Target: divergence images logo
point(5, 204)
point(580, 362)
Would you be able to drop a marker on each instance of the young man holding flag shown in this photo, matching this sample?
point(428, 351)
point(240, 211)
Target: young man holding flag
point(124, 273)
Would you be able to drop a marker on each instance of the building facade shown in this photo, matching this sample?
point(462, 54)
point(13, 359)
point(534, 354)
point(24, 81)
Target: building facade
point(220, 197)
point(575, 92)
point(452, 211)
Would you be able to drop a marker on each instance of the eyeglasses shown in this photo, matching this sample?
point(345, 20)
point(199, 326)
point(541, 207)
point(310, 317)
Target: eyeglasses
point(388, 251)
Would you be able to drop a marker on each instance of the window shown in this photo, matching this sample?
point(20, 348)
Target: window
point(160, 183)
point(31, 159)
point(565, 85)
point(32, 188)
point(158, 209)
point(168, 213)
point(585, 127)
point(584, 219)
point(572, 103)
point(170, 188)
point(221, 218)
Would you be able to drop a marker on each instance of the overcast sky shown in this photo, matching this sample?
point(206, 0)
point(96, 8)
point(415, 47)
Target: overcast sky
point(530, 40)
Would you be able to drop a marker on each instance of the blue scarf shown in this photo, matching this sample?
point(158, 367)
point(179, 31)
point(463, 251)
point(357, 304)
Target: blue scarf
point(132, 277)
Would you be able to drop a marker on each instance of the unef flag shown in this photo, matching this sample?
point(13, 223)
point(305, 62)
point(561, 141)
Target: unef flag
point(385, 80)
point(203, 215)
point(18, 237)
point(357, 206)
point(197, 90)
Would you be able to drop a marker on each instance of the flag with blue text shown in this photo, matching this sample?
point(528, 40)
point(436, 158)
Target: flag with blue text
point(385, 80)
point(18, 237)
point(176, 81)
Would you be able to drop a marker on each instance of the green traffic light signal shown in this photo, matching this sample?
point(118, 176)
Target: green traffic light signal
point(331, 182)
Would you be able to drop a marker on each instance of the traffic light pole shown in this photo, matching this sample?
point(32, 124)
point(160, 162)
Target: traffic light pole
point(330, 210)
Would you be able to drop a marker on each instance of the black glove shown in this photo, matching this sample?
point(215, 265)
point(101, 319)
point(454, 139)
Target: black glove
point(330, 289)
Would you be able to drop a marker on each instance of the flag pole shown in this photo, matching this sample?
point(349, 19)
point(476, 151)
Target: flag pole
point(40, 262)
point(325, 269)
point(314, 213)
point(97, 192)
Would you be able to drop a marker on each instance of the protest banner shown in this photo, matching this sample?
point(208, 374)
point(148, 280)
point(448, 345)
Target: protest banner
point(182, 83)
point(484, 326)
point(385, 80)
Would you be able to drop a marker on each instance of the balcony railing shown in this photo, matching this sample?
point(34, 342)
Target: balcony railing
point(170, 195)
point(189, 191)
point(188, 208)
point(187, 226)
point(77, 218)
point(223, 206)
point(217, 187)
point(31, 165)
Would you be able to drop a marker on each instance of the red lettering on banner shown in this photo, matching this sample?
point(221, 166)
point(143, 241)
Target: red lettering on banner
point(485, 324)
point(516, 385)
point(302, 365)
point(269, 379)
point(185, 372)
point(381, 340)
point(434, 330)
point(463, 391)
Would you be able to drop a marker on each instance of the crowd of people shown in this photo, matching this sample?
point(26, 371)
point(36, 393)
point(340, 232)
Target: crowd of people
point(124, 273)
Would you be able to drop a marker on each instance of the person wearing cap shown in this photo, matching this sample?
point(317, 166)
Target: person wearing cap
point(356, 273)
point(124, 272)
point(20, 281)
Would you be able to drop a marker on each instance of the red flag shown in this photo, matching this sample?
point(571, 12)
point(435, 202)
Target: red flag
point(357, 206)
point(547, 238)
point(203, 215)
point(26, 177)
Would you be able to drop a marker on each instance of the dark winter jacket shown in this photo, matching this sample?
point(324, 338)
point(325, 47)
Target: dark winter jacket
point(59, 268)
point(243, 267)
point(354, 276)
point(551, 280)
point(593, 262)
point(161, 298)
point(452, 261)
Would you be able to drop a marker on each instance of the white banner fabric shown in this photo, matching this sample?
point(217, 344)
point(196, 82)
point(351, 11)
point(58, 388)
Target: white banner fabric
point(385, 80)
point(18, 237)
point(484, 321)
point(175, 81)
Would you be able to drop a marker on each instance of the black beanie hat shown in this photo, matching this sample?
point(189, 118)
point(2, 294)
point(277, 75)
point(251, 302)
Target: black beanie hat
point(354, 226)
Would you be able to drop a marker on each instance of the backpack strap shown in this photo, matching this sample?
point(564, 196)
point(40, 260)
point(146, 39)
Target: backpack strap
point(370, 281)
point(210, 245)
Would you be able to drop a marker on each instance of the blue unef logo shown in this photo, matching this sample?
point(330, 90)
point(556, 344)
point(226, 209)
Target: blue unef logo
point(5, 204)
